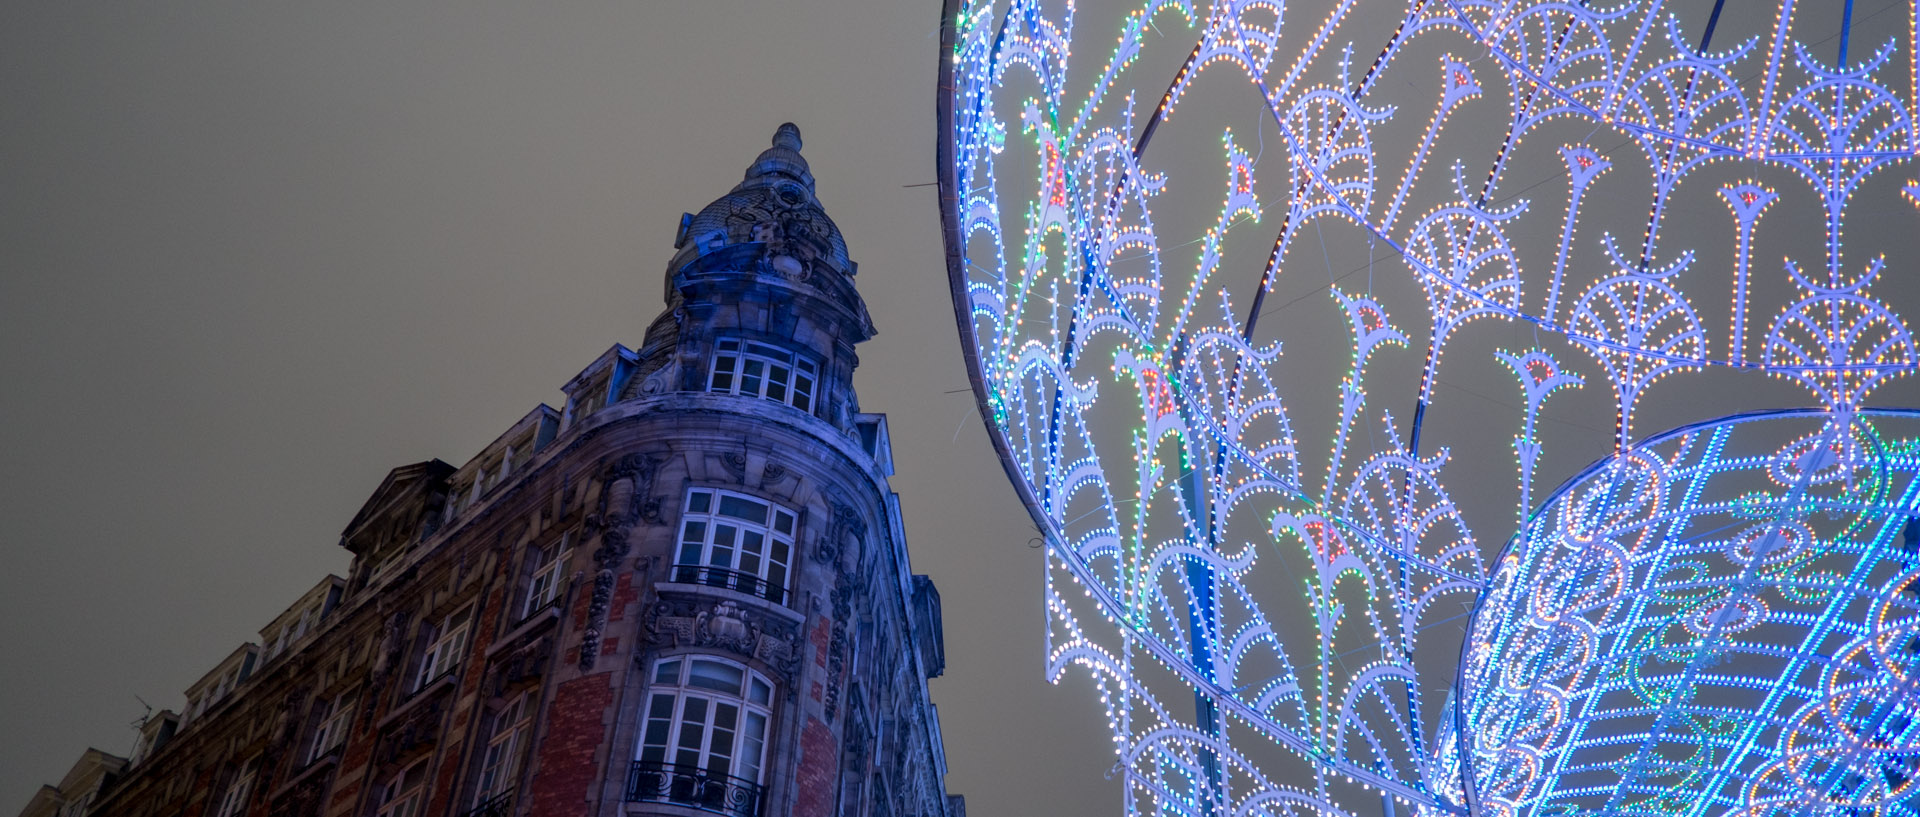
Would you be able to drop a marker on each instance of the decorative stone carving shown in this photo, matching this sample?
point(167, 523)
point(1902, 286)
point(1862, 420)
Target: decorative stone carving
point(737, 463)
point(843, 549)
point(525, 662)
point(626, 500)
point(387, 659)
point(304, 798)
point(417, 728)
point(697, 621)
point(662, 380)
point(773, 472)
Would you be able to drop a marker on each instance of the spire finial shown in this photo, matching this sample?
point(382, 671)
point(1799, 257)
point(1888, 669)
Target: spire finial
point(787, 136)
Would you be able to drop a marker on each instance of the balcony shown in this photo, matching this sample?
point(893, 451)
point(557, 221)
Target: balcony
point(499, 805)
point(654, 781)
point(730, 579)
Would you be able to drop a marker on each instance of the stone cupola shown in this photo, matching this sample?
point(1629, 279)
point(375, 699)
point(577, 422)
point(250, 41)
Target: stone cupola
point(762, 264)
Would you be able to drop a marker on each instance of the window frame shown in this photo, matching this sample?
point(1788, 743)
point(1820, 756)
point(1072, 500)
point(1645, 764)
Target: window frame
point(703, 518)
point(331, 731)
point(755, 697)
point(728, 367)
point(403, 795)
point(551, 567)
point(516, 735)
point(233, 798)
point(447, 651)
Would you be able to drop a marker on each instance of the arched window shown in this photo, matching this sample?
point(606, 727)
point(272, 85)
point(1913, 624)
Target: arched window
point(759, 370)
point(703, 738)
point(735, 541)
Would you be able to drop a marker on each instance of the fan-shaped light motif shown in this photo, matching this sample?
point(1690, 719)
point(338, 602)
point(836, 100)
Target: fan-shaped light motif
point(1270, 510)
point(1641, 650)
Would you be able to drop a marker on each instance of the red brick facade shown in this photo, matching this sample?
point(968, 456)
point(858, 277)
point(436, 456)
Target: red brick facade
point(568, 756)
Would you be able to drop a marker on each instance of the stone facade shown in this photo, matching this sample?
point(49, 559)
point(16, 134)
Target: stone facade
point(685, 593)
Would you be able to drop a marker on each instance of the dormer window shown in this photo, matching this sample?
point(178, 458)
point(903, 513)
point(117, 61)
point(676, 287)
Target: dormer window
point(759, 370)
point(581, 408)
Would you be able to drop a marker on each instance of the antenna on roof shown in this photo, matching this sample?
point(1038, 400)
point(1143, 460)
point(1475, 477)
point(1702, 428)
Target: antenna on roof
point(141, 722)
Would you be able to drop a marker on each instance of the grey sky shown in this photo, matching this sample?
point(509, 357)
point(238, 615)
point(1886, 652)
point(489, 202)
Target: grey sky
point(252, 256)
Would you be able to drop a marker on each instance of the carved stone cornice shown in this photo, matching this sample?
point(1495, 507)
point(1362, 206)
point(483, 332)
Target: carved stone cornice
point(698, 620)
point(524, 662)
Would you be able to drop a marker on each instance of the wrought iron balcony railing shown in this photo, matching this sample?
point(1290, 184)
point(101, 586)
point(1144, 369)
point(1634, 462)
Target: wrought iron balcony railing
point(499, 805)
point(732, 580)
point(695, 787)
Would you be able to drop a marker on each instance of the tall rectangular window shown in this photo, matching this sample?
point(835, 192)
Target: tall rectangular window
point(735, 541)
point(447, 649)
point(759, 370)
point(548, 576)
point(336, 716)
point(704, 738)
point(405, 792)
point(233, 801)
point(500, 762)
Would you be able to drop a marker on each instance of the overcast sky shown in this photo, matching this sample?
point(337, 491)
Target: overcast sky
point(253, 256)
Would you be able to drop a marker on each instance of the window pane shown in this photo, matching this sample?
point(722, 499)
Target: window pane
point(699, 501)
point(715, 676)
point(723, 539)
point(769, 351)
point(783, 521)
point(777, 383)
point(750, 383)
point(742, 508)
point(667, 673)
point(761, 693)
point(776, 578)
point(720, 748)
point(694, 531)
point(802, 392)
point(753, 745)
point(693, 722)
point(689, 555)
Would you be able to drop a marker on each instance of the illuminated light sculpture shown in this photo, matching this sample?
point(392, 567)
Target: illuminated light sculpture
point(1641, 650)
point(1282, 626)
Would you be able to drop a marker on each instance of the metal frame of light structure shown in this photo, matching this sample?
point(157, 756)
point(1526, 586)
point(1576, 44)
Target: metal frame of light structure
point(1192, 542)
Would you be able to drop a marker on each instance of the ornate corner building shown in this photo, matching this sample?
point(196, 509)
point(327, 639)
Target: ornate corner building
point(686, 593)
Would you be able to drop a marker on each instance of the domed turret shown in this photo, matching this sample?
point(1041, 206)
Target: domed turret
point(772, 206)
point(782, 159)
point(762, 267)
